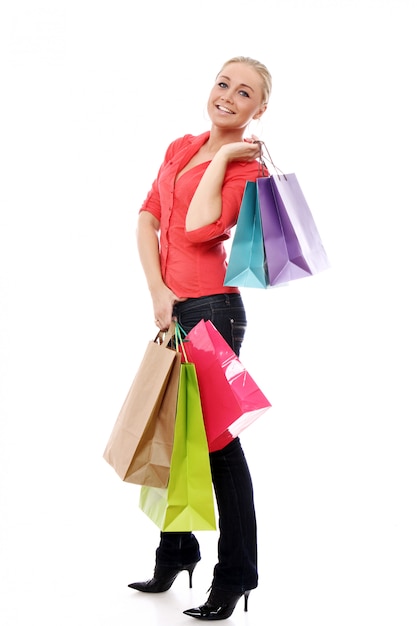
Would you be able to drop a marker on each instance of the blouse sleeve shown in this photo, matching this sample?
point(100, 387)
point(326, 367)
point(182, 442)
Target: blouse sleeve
point(232, 193)
point(152, 201)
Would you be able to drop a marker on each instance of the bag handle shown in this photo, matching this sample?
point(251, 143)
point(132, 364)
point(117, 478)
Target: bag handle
point(262, 163)
point(175, 331)
point(164, 336)
point(179, 331)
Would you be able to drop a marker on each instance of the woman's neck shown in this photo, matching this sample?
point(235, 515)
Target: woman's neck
point(219, 138)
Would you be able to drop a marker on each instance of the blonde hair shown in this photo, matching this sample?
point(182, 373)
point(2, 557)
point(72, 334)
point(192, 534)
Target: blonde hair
point(259, 67)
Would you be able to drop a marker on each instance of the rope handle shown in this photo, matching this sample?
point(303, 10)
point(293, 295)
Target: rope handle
point(262, 164)
point(179, 332)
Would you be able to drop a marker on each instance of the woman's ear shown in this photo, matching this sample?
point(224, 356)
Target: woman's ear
point(260, 112)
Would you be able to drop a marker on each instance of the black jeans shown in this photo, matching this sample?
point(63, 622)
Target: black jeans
point(236, 570)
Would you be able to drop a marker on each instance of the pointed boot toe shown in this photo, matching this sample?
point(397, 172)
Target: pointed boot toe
point(163, 578)
point(218, 606)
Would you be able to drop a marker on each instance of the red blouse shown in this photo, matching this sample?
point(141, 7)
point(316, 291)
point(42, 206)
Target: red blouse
point(193, 263)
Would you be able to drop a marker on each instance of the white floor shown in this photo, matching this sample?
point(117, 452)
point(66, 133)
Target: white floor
point(334, 550)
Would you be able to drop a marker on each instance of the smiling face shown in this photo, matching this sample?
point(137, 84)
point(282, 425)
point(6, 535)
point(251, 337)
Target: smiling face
point(237, 97)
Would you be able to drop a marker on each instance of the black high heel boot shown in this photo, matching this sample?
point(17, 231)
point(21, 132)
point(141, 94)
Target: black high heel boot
point(163, 578)
point(220, 605)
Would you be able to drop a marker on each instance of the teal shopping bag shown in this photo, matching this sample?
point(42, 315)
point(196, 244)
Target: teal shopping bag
point(246, 265)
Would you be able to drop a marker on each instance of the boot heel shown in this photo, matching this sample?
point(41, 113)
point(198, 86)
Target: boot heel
point(190, 569)
point(163, 578)
point(246, 600)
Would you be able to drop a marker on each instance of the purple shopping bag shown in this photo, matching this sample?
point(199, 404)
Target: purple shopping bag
point(293, 247)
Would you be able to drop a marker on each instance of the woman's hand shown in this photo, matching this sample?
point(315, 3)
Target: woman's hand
point(246, 150)
point(163, 302)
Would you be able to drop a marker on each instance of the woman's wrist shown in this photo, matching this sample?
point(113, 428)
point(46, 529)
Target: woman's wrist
point(221, 156)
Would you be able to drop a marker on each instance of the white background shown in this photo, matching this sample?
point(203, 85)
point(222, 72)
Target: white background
point(91, 94)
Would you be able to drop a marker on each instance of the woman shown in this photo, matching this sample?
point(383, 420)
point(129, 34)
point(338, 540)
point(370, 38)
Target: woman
point(188, 213)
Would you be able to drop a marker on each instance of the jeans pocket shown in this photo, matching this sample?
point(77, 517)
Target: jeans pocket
point(238, 330)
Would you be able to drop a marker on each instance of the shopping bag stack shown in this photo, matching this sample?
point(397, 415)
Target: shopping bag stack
point(159, 439)
point(276, 239)
point(191, 396)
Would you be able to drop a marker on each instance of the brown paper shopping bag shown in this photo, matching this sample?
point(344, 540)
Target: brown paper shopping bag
point(140, 445)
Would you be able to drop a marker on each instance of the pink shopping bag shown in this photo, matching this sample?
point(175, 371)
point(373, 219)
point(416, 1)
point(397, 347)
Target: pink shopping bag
point(230, 398)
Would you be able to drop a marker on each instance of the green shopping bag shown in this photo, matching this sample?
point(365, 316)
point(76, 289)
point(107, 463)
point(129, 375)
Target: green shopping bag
point(187, 502)
point(246, 265)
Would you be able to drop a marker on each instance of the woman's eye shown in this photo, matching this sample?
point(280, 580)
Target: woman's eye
point(241, 92)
